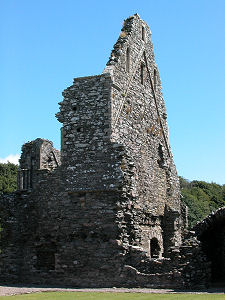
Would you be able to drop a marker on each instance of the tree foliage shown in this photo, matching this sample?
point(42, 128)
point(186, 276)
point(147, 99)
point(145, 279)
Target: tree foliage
point(8, 177)
point(201, 198)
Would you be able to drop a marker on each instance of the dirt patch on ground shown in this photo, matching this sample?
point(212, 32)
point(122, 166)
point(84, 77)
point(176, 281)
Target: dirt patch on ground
point(16, 290)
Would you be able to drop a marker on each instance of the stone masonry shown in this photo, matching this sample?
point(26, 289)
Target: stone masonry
point(106, 209)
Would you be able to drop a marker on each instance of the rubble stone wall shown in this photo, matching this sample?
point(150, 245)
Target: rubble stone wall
point(37, 158)
point(106, 210)
point(139, 123)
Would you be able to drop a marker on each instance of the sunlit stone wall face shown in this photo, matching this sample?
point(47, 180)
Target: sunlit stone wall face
point(139, 122)
point(113, 203)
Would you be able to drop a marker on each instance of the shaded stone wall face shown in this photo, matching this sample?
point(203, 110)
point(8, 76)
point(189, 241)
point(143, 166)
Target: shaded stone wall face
point(75, 236)
point(211, 233)
point(10, 254)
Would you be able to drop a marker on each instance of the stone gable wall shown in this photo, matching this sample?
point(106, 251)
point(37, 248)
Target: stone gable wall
point(113, 200)
point(139, 123)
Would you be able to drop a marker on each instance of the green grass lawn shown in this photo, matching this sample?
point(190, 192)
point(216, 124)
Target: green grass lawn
point(111, 296)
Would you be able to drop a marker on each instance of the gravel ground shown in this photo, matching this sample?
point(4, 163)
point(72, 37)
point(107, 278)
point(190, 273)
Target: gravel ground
point(16, 290)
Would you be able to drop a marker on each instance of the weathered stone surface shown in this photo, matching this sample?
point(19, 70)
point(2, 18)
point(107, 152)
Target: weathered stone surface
point(38, 157)
point(106, 210)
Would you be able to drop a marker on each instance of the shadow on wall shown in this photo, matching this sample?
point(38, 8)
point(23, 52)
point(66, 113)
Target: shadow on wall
point(211, 233)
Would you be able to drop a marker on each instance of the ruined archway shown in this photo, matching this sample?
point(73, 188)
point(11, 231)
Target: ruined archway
point(211, 233)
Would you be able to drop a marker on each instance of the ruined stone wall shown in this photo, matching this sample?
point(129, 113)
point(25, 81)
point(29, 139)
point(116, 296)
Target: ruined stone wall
point(211, 234)
point(63, 237)
point(9, 243)
point(37, 158)
point(139, 123)
point(114, 199)
point(77, 232)
point(89, 160)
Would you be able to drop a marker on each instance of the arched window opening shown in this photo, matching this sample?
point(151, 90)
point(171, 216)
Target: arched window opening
point(143, 33)
point(154, 248)
point(155, 79)
point(128, 60)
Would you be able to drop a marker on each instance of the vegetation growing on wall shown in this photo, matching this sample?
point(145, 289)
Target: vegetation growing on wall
point(201, 198)
point(8, 177)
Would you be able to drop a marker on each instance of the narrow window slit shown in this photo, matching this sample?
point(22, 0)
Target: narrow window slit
point(143, 33)
point(155, 79)
point(142, 73)
point(128, 60)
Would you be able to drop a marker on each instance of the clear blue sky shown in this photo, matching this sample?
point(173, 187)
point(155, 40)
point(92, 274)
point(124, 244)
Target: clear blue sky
point(46, 43)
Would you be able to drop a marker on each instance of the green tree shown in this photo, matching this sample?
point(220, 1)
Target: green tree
point(201, 198)
point(8, 177)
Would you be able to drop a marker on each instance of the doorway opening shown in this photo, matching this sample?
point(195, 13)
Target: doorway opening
point(154, 248)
